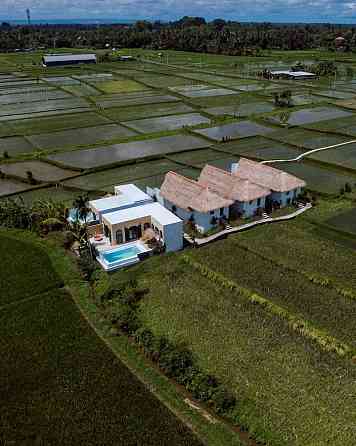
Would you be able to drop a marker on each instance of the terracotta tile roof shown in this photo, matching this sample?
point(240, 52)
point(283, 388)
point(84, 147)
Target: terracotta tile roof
point(231, 186)
point(267, 176)
point(189, 194)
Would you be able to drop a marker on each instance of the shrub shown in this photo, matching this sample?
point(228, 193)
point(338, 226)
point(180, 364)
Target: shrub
point(202, 386)
point(174, 361)
point(145, 338)
point(223, 401)
point(124, 317)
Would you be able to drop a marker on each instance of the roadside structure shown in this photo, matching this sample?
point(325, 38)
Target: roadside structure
point(57, 60)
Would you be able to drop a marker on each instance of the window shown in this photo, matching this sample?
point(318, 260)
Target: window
point(259, 202)
point(221, 212)
point(146, 226)
point(161, 234)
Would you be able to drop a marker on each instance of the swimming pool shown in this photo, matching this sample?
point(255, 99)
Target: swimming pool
point(121, 256)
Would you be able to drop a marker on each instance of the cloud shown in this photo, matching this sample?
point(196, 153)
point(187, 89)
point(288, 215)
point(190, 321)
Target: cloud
point(288, 10)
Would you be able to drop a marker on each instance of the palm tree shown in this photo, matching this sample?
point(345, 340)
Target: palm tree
point(81, 206)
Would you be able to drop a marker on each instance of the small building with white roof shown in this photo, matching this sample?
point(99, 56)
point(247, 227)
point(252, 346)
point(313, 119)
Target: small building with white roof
point(57, 60)
point(126, 196)
point(127, 225)
point(131, 215)
point(289, 74)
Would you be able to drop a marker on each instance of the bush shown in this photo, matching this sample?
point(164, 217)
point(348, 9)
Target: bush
point(223, 401)
point(174, 361)
point(124, 317)
point(145, 338)
point(202, 386)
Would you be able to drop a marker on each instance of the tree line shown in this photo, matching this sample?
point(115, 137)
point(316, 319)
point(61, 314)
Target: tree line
point(187, 34)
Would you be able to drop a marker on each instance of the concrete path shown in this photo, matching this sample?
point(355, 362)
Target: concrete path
point(309, 152)
point(225, 232)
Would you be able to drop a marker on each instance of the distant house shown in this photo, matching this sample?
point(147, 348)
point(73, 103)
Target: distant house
point(289, 74)
point(218, 195)
point(57, 60)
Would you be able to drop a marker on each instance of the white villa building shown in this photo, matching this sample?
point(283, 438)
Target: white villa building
point(131, 214)
point(218, 195)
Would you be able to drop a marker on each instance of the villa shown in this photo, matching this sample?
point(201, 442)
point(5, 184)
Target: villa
point(250, 189)
point(129, 224)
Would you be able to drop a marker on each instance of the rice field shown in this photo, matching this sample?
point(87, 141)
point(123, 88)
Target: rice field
point(48, 346)
point(119, 86)
point(251, 357)
point(345, 221)
point(317, 178)
point(122, 175)
point(241, 110)
point(89, 158)
point(42, 106)
point(286, 288)
point(136, 98)
point(15, 146)
point(37, 96)
point(235, 130)
point(80, 136)
point(8, 187)
point(172, 122)
point(146, 111)
point(44, 124)
point(41, 171)
point(312, 115)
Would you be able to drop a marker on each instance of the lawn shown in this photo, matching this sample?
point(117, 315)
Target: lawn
point(288, 391)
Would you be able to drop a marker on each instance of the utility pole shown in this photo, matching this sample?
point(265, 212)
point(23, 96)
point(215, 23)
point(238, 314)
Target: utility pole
point(28, 13)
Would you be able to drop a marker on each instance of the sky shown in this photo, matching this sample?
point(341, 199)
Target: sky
point(337, 11)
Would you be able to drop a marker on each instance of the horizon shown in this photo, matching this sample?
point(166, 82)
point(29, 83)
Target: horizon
point(114, 11)
point(105, 20)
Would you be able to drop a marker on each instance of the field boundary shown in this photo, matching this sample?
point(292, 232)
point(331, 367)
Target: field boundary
point(326, 342)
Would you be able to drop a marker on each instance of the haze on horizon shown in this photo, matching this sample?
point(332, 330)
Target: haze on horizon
point(335, 11)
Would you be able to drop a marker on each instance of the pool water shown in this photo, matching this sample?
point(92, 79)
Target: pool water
point(121, 254)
